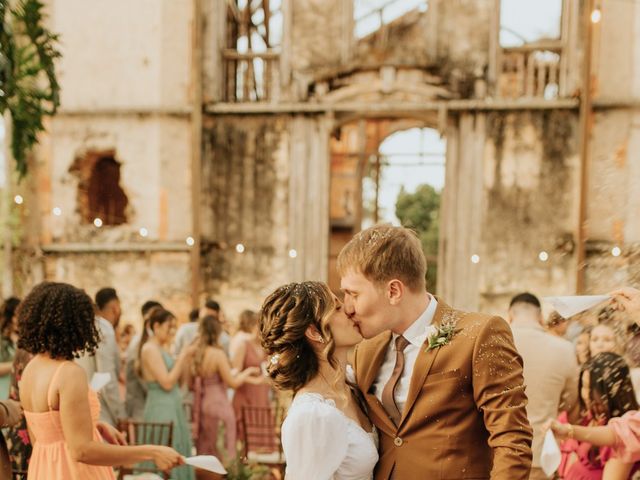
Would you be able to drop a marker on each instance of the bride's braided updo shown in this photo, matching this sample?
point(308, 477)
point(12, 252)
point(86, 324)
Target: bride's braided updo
point(284, 318)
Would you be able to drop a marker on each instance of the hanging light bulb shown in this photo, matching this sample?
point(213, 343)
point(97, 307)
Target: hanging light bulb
point(596, 14)
point(57, 211)
point(475, 258)
point(543, 256)
point(190, 241)
point(144, 232)
point(240, 248)
point(18, 199)
point(616, 251)
point(293, 253)
point(97, 222)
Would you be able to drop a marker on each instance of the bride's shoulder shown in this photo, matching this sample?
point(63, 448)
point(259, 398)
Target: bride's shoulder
point(311, 405)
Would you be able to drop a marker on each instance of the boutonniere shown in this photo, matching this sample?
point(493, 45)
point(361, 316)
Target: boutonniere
point(440, 336)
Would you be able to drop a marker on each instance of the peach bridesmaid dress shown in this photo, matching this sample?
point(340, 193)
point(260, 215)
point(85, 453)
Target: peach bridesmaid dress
point(50, 459)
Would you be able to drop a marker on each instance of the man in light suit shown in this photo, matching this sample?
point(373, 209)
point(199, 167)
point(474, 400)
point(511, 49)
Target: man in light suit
point(550, 371)
point(444, 387)
point(107, 356)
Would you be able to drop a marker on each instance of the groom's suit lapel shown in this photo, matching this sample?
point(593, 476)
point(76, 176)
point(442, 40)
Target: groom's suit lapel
point(378, 354)
point(423, 364)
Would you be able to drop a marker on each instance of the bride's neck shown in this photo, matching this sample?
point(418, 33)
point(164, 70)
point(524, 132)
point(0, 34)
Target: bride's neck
point(330, 378)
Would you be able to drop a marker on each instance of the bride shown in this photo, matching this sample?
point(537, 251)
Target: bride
point(326, 435)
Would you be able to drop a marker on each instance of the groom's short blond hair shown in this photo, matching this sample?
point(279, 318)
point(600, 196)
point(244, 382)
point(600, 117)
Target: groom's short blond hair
point(384, 252)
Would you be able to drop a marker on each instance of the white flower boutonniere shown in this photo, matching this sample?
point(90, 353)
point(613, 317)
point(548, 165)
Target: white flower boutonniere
point(441, 335)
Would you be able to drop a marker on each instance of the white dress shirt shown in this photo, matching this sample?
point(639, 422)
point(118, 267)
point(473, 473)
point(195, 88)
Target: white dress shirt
point(416, 334)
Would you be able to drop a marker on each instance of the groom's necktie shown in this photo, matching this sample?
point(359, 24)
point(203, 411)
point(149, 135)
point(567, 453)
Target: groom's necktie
point(388, 397)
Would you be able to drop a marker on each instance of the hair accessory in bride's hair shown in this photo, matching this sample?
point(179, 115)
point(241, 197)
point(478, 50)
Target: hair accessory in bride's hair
point(274, 359)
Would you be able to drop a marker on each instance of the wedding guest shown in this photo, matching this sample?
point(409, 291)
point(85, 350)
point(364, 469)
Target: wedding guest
point(605, 392)
point(125, 335)
point(557, 325)
point(307, 334)
point(8, 339)
point(582, 346)
point(18, 441)
point(550, 373)
point(604, 338)
point(627, 299)
point(161, 373)
point(106, 358)
point(246, 352)
point(212, 375)
point(135, 388)
point(10, 415)
point(187, 332)
point(211, 307)
point(56, 323)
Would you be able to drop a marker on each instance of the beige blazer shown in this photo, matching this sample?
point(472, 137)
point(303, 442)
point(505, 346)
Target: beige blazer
point(465, 415)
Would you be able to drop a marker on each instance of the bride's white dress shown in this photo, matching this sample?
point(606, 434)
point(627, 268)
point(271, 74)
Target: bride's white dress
point(322, 443)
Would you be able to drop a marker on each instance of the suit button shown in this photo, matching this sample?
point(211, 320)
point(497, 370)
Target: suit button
point(398, 442)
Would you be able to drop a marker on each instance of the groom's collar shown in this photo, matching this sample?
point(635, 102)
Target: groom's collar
point(416, 334)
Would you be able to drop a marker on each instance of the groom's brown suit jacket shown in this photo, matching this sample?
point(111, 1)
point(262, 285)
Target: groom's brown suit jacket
point(465, 414)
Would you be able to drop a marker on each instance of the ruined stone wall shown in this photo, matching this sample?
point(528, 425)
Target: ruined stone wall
point(531, 189)
point(614, 169)
point(244, 201)
point(126, 88)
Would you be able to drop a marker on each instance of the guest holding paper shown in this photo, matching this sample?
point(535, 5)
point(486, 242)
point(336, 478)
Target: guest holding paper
point(56, 324)
point(627, 299)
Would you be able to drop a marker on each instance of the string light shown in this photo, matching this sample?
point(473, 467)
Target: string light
point(240, 248)
point(190, 241)
point(144, 232)
point(616, 251)
point(57, 211)
point(18, 199)
point(475, 258)
point(97, 222)
point(293, 253)
point(596, 15)
point(543, 256)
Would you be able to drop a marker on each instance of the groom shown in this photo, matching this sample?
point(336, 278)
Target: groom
point(443, 386)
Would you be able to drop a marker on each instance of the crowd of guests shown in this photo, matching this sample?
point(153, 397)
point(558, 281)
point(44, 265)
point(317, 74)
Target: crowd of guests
point(581, 375)
point(579, 371)
point(199, 378)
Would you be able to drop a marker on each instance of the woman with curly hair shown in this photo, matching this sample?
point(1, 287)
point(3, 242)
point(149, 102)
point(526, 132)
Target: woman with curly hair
point(307, 334)
point(605, 392)
point(56, 325)
point(8, 339)
point(212, 375)
point(162, 373)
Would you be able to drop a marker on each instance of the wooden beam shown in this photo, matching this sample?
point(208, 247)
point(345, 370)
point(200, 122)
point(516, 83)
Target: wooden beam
point(121, 247)
point(375, 109)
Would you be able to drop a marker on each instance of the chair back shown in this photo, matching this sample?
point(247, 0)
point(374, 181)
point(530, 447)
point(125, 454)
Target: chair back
point(261, 426)
point(141, 433)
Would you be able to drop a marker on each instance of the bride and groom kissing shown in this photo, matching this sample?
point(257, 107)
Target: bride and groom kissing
point(430, 393)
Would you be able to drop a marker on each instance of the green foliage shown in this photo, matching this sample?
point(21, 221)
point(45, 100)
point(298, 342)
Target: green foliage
point(29, 89)
point(420, 210)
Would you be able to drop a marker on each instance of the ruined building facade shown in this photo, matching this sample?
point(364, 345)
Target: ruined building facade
point(222, 146)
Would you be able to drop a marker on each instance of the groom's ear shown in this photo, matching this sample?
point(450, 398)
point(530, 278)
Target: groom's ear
point(395, 290)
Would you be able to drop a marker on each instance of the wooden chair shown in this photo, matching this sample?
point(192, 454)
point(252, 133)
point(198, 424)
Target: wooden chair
point(262, 445)
point(140, 433)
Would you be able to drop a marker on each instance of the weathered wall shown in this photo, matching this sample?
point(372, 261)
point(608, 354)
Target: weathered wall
point(531, 188)
point(244, 201)
point(125, 79)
